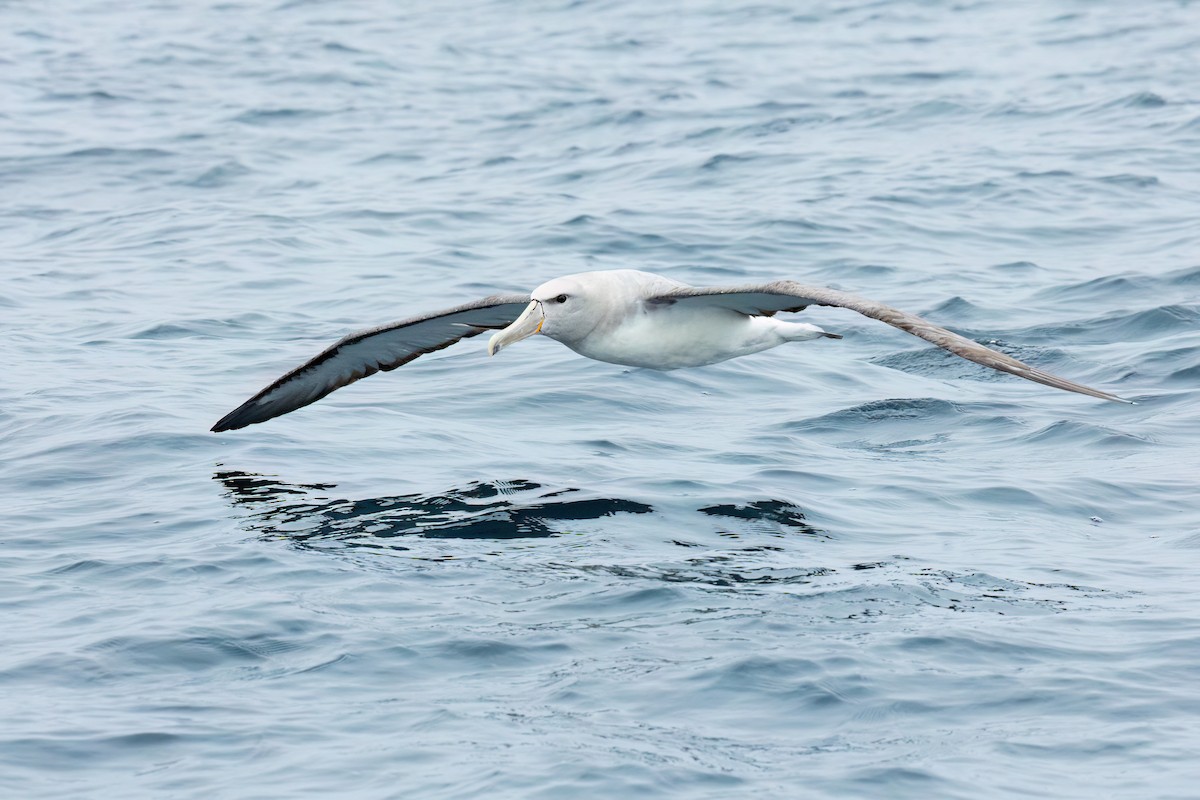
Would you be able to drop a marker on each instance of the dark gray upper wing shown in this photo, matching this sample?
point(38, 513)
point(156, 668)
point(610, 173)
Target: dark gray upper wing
point(367, 352)
point(770, 298)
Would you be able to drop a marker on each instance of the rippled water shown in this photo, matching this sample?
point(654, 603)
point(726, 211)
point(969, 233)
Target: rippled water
point(855, 568)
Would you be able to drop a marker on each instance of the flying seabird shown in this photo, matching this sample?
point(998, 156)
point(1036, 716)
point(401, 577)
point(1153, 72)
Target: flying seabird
point(624, 316)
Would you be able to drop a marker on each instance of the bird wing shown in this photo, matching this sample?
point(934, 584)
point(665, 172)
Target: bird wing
point(366, 352)
point(769, 298)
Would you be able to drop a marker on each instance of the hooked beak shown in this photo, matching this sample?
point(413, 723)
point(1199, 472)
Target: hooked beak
point(526, 325)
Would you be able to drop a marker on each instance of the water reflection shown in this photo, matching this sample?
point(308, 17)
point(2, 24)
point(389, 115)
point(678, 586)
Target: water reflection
point(308, 515)
point(778, 517)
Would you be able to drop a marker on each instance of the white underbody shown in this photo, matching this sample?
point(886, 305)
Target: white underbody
point(673, 336)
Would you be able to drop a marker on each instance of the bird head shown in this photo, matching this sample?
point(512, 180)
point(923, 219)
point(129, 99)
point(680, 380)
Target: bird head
point(560, 309)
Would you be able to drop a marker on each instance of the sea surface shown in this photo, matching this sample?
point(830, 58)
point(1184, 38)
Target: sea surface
point(860, 568)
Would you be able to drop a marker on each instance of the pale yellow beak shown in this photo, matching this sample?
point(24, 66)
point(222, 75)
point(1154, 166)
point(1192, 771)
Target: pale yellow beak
point(526, 325)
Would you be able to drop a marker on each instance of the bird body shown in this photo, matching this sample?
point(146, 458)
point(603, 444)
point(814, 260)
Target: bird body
point(633, 332)
point(665, 339)
point(626, 317)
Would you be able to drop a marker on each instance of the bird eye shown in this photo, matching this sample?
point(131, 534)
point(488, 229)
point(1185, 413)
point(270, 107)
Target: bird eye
point(562, 298)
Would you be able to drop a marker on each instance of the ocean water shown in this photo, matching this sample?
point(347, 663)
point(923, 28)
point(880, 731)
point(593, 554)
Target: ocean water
point(839, 569)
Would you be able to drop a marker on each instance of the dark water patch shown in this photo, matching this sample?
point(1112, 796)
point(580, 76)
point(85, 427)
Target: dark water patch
point(1143, 102)
point(119, 154)
point(248, 488)
point(499, 510)
point(338, 47)
point(1131, 181)
point(136, 741)
point(776, 106)
point(706, 133)
point(278, 116)
point(1140, 100)
point(96, 95)
point(607, 446)
point(31, 33)
point(680, 543)
point(778, 514)
point(37, 212)
point(218, 176)
point(726, 159)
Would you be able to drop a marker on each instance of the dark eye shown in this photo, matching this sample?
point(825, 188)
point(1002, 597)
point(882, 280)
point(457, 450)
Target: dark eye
point(562, 298)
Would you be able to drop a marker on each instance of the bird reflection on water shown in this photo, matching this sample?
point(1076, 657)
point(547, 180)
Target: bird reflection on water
point(520, 509)
point(309, 516)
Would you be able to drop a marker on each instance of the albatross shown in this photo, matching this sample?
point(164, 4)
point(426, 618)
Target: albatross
point(626, 317)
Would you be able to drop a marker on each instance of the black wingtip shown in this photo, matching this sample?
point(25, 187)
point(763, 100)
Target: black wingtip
point(240, 417)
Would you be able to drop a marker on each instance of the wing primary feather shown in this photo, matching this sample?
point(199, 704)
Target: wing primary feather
point(782, 296)
point(363, 353)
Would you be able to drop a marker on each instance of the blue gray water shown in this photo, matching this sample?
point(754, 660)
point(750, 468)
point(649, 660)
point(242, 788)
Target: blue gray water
point(839, 569)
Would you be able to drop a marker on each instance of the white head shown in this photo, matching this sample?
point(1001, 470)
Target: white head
point(564, 309)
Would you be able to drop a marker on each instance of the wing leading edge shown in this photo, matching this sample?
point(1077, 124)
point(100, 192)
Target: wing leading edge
point(373, 350)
